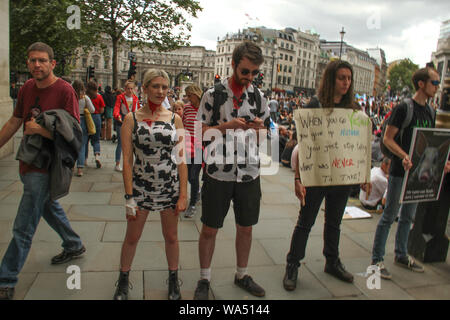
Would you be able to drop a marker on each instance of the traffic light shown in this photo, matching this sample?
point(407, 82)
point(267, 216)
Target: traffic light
point(91, 72)
point(216, 78)
point(132, 70)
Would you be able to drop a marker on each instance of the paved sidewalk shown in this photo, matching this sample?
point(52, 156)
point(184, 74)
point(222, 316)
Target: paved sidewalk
point(95, 209)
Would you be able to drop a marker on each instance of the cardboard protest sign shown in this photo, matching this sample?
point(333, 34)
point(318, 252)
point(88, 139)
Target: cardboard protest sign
point(428, 152)
point(334, 148)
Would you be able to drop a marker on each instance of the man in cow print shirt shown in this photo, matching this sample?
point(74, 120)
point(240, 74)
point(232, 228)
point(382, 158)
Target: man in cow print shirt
point(238, 179)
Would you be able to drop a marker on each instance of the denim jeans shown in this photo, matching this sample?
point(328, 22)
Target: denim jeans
point(119, 141)
point(82, 152)
point(95, 139)
point(35, 203)
point(407, 212)
point(335, 201)
point(193, 177)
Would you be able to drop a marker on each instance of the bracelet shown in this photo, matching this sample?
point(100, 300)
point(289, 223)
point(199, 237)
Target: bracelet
point(297, 179)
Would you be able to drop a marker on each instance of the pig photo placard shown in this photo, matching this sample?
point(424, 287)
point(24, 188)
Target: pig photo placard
point(334, 148)
point(429, 152)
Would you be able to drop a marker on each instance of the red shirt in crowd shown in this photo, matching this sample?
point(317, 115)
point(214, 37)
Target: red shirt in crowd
point(31, 101)
point(98, 103)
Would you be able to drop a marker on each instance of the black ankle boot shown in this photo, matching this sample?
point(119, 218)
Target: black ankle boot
point(337, 269)
point(122, 286)
point(290, 277)
point(174, 286)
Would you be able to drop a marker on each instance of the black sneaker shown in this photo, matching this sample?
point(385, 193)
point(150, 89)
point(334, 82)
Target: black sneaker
point(409, 263)
point(65, 256)
point(290, 277)
point(202, 290)
point(337, 270)
point(6, 293)
point(250, 286)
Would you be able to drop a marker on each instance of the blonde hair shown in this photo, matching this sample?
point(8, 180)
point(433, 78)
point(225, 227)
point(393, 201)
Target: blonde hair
point(178, 103)
point(151, 74)
point(129, 82)
point(193, 89)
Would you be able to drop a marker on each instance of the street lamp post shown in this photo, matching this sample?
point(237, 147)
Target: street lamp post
point(273, 64)
point(342, 39)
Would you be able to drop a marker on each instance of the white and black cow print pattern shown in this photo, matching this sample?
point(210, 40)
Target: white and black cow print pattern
point(155, 174)
point(233, 172)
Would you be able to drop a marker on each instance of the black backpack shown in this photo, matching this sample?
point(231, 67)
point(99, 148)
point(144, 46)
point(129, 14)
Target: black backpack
point(406, 122)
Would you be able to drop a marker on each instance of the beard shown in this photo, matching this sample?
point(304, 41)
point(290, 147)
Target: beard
point(243, 82)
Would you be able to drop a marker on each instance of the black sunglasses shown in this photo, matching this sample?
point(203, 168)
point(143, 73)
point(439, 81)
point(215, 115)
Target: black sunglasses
point(246, 72)
point(435, 82)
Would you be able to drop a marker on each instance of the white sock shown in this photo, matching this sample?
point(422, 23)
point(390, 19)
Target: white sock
point(205, 274)
point(240, 272)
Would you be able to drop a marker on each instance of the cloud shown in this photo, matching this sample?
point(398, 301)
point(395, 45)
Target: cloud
point(405, 28)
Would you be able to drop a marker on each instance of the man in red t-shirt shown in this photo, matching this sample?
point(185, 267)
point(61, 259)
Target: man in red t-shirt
point(44, 92)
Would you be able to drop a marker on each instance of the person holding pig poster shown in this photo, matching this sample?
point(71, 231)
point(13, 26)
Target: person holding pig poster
point(426, 83)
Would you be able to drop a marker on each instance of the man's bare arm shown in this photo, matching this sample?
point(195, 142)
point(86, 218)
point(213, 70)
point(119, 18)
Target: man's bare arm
point(9, 129)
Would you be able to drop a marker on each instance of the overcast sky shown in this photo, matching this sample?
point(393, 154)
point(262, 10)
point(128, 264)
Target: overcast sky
point(403, 29)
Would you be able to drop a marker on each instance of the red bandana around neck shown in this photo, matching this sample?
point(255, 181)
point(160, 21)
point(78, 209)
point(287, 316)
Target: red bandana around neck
point(237, 92)
point(152, 106)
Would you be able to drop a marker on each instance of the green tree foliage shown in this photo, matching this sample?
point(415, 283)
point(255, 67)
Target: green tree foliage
point(159, 24)
point(46, 21)
point(401, 74)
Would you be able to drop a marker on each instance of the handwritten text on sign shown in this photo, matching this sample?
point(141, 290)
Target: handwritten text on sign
point(335, 148)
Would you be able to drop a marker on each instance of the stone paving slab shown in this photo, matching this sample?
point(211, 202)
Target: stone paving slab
point(225, 255)
point(156, 286)
point(115, 231)
point(439, 292)
point(5, 185)
point(225, 289)
point(94, 286)
point(95, 209)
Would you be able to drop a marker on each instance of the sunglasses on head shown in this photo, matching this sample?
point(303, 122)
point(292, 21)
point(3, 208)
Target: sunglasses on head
point(435, 82)
point(246, 72)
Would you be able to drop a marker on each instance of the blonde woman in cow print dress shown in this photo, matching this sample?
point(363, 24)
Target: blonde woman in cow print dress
point(156, 181)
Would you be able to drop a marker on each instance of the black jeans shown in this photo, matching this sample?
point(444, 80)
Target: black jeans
point(335, 202)
point(193, 178)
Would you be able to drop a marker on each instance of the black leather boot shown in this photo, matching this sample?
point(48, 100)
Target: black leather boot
point(174, 286)
point(290, 277)
point(337, 269)
point(122, 286)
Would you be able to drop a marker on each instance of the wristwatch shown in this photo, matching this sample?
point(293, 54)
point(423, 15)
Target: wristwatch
point(128, 196)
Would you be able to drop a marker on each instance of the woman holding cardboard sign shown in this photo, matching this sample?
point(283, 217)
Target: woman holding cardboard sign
point(336, 91)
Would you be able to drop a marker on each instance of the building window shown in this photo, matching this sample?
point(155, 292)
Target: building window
point(290, 58)
point(279, 79)
point(290, 69)
point(289, 80)
point(286, 57)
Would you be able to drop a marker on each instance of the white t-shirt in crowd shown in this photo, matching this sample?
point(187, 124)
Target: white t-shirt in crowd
point(379, 182)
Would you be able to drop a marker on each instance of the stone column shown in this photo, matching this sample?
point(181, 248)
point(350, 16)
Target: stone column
point(6, 103)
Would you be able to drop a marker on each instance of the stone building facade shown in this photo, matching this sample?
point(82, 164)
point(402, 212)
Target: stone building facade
point(196, 60)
